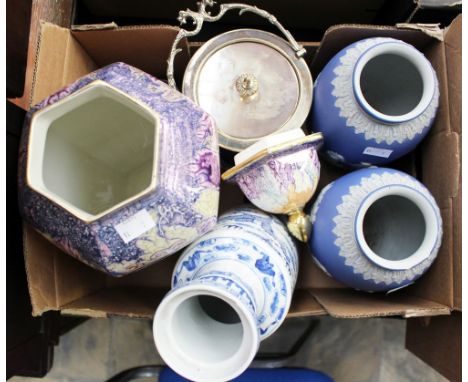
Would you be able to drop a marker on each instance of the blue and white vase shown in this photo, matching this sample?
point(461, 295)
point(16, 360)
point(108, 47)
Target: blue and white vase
point(231, 289)
point(375, 229)
point(374, 102)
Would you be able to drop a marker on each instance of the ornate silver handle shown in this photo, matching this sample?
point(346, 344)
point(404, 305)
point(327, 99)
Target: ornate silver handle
point(203, 15)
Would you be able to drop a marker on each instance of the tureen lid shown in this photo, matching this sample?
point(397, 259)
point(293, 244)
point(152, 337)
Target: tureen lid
point(253, 83)
point(273, 145)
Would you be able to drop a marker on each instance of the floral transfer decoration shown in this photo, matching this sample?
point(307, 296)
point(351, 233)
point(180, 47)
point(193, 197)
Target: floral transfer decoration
point(183, 205)
point(281, 182)
point(257, 244)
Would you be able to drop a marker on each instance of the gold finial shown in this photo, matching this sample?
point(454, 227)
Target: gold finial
point(299, 225)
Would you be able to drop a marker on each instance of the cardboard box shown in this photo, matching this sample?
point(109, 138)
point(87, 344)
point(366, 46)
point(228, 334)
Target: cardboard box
point(419, 11)
point(299, 16)
point(59, 282)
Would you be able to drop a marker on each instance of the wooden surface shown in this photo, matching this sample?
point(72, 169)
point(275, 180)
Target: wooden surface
point(18, 14)
point(59, 12)
point(30, 340)
point(438, 341)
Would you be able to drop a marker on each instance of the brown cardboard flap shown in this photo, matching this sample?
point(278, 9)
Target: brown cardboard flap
point(304, 304)
point(457, 251)
point(73, 279)
point(435, 53)
point(44, 262)
point(432, 30)
point(340, 36)
point(145, 47)
point(441, 169)
point(142, 302)
point(40, 269)
point(157, 275)
point(347, 303)
point(453, 49)
point(120, 301)
point(437, 283)
point(60, 54)
point(437, 341)
point(310, 275)
point(88, 27)
point(441, 173)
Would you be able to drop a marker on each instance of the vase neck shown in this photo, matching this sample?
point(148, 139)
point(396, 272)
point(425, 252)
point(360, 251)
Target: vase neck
point(393, 82)
point(205, 331)
point(237, 279)
point(396, 227)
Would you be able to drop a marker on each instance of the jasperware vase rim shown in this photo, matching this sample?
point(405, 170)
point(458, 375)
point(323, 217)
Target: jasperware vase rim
point(430, 217)
point(417, 59)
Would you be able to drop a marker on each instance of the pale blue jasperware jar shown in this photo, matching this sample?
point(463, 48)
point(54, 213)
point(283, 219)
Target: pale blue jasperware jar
point(375, 229)
point(374, 102)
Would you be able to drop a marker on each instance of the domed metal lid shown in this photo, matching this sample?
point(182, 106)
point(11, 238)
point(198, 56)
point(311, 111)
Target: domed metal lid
point(253, 83)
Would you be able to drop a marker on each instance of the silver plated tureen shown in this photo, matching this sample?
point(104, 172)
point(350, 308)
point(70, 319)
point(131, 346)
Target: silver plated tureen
point(253, 83)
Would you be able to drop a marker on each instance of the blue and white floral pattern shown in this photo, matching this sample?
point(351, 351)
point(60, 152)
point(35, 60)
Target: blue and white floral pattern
point(258, 244)
point(183, 204)
point(266, 228)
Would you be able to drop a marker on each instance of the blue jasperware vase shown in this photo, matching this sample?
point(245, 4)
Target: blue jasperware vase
point(231, 289)
point(374, 102)
point(375, 229)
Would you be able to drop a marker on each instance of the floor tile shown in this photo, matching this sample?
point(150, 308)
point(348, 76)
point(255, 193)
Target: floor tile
point(131, 345)
point(349, 350)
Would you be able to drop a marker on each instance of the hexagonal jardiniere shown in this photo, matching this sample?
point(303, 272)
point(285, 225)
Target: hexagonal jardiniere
point(119, 170)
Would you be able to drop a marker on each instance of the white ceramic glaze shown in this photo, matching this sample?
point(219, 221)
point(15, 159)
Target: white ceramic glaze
point(198, 346)
point(267, 142)
point(415, 74)
point(396, 210)
point(94, 147)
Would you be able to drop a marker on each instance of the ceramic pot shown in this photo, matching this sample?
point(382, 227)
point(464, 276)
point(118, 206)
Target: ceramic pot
point(231, 289)
point(119, 170)
point(375, 229)
point(374, 102)
point(279, 174)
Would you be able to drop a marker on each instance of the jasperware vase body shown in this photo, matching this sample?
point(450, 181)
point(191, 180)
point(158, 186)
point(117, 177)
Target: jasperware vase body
point(374, 102)
point(375, 229)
